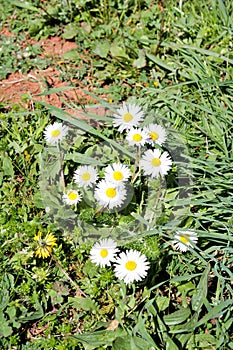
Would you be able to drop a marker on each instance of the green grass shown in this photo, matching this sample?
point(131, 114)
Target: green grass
point(186, 300)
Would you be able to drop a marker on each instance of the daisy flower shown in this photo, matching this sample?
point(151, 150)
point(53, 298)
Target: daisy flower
point(72, 197)
point(55, 132)
point(131, 266)
point(117, 173)
point(85, 176)
point(137, 137)
point(103, 252)
point(154, 163)
point(127, 116)
point(156, 133)
point(183, 240)
point(109, 195)
point(44, 245)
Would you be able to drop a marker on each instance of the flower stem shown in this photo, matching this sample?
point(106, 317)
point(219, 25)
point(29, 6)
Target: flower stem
point(61, 166)
point(99, 211)
point(68, 277)
point(134, 175)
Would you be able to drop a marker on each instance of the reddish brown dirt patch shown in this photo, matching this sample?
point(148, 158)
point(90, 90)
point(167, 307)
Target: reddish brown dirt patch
point(23, 89)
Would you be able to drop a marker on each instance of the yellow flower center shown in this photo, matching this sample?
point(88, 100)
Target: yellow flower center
point(127, 117)
point(111, 192)
point(86, 176)
point(131, 265)
point(55, 133)
point(137, 137)
point(117, 175)
point(72, 196)
point(154, 136)
point(104, 253)
point(183, 238)
point(156, 162)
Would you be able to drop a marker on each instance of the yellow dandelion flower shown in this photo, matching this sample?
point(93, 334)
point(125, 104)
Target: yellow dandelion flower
point(44, 245)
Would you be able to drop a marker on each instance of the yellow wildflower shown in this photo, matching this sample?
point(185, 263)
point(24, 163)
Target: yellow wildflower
point(44, 245)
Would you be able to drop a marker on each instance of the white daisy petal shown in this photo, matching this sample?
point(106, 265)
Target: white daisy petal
point(85, 176)
point(127, 116)
point(184, 239)
point(72, 197)
point(103, 252)
point(154, 163)
point(157, 134)
point(137, 137)
point(110, 195)
point(55, 132)
point(131, 266)
point(117, 173)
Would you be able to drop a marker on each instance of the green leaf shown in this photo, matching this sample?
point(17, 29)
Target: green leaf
point(86, 304)
point(140, 62)
point(118, 51)
point(201, 292)
point(160, 63)
point(70, 31)
point(5, 329)
point(122, 343)
point(137, 343)
point(83, 159)
point(72, 55)
point(177, 317)
point(7, 166)
point(102, 49)
point(4, 298)
point(8, 281)
point(26, 5)
point(162, 303)
point(215, 312)
point(99, 338)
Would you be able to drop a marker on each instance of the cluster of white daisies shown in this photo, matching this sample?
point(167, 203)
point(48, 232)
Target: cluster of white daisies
point(111, 192)
point(154, 162)
point(129, 266)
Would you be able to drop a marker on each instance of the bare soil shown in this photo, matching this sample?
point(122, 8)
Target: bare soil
point(16, 86)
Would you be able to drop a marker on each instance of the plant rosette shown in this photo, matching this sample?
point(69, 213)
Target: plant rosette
point(126, 183)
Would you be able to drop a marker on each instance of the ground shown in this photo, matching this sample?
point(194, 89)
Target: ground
point(17, 85)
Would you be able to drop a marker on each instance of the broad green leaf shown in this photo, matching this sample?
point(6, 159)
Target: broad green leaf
point(4, 298)
point(86, 304)
point(118, 51)
point(26, 5)
point(139, 344)
point(71, 55)
point(7, 166)
point(160, 63)
point(122, 343)
point(7, 281)
point(201, 291)
point(162, 303)
point(177, 317)
point(140, 62)
point(99, 338)
point(83, 159)
point(70, 31)
point(102, 49)
point(5, 329)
